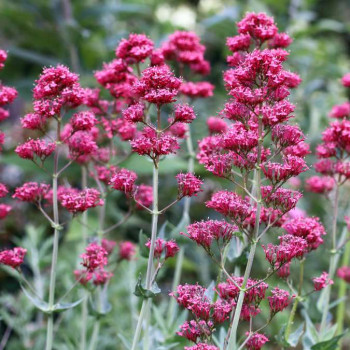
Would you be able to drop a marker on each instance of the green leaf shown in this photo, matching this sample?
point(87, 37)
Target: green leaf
point(331, 344)
point(141, 292)
point(294, 337)
point(59, 307)
point(143, 239)
point(36, 301)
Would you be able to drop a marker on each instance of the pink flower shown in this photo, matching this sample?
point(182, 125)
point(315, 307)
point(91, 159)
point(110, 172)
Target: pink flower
point(277, 172)
point(307, 228)
point(33, 121)
point(201, 346)
point(94, 257)
point(230, 204)
point(144, 195)
point(188, 185)
point(149, 144)
point(256, 341)
point(38, 148)
point(108, 245)
point(204, 232)
point(7, 95)
point(31, 192)
point(4, 114)
point(287, 135)
point(184, 47)
point(126, 250)
point(158, 85)
point(13, 257)
point(184, 114)
point(216, 125)
point(178, 130)
point(258, 25)
point(290, 247)
point(322, 282)
point(340, 111)
point(282, 199)
point(280, 40)
point(134, 113)
point(105, 173)
point(3, 58)
point(81, 143)
point(53, 81)
point(320, 184)
point(3, 190)
point(80, 201)
point(200, 89)
point(346, 80)
point(4, 210)
point(279, 300)
point(169, 248)
point(85, 120)
point(344, 273)
point(190, 330)
point(135, 49)
point(239, 42)
point(101, 276)
point(123, 180)
point(240, 139)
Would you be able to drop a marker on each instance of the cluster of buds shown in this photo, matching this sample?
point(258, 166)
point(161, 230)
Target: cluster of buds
point(333, 165)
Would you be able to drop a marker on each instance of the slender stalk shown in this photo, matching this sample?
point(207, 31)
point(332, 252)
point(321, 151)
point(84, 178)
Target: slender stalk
point(97, 323)
point(84, 305)
point(176, 281)
point(94, 337)
point(296, 302)
point(232, 342)
point(333, 260)
point(342, 293)
point(49, 334)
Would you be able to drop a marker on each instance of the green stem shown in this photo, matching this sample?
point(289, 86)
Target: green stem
point(94, 337)
point(232, 340)
point(176, 281)
point(146, 304)
point(342, 293)
point(84, 306)
point(296, 302)
point(50, 321)
point(333, 260)
point(97, 323)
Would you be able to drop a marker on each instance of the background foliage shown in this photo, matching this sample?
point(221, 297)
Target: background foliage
point(82, 35)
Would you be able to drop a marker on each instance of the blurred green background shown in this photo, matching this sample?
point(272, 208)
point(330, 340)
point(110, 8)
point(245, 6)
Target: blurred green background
point(83, 35)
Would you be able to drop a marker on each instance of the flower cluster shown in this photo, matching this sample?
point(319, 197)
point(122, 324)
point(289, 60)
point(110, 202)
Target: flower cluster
point(78, 201)
point(206, 313)
point(334, 151)
point(188, 185)
point(322, 282)
point(13, 257)
point(205, 232)
point(31, 192)
point(162, 248)
point(344, 273)
point(94, 262)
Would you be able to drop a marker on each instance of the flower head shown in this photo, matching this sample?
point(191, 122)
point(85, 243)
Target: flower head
point(188, 185)
point(135, 49)
point(13, 257)
point(322, 282)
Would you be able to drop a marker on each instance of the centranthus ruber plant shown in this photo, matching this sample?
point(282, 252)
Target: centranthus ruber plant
point(259, 152)
point(118, 160)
